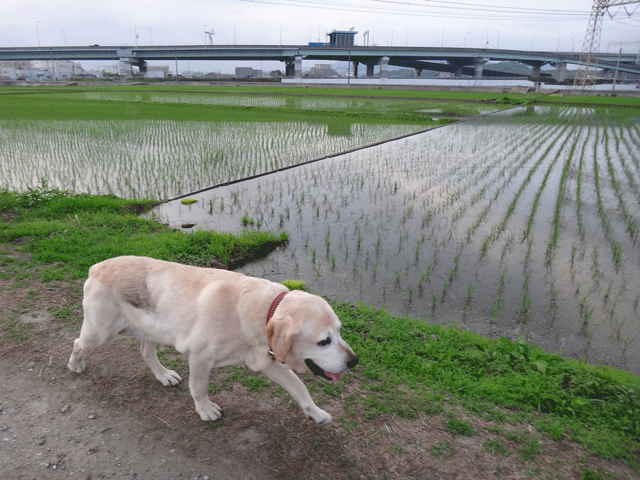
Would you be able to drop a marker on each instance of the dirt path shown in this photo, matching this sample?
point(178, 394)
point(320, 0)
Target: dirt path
point(48, 431)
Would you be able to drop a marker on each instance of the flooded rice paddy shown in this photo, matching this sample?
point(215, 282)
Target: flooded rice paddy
point(163, 158)
point(441, 108)
point(520, 224)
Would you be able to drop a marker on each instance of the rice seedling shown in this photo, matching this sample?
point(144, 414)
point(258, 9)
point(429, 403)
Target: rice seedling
point(525, 300)
point(247, 221)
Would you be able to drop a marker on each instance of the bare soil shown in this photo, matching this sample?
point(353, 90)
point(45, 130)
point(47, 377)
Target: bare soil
point(116, 421)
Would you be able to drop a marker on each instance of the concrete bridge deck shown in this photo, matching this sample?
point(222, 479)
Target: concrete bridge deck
point(468, 61)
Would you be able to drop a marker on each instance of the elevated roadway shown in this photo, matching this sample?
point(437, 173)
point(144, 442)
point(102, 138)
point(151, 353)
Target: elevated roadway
point(467, 61)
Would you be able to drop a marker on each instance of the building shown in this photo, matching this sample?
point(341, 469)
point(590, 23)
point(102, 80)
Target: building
point(339, 38)
point(41, 70)
point(157, 72)
point(15, 64)
point(248, 72)
point(14, 69)
point(322, 70)
point(105, 70)
point(59, 69)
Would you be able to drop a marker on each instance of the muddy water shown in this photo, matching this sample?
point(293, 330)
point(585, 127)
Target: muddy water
point(456, 226)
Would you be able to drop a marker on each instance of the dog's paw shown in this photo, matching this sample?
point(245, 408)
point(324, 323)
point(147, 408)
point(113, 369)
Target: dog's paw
point(76, 367)
point(208, 411)
point(169, 378)
point(318, 415)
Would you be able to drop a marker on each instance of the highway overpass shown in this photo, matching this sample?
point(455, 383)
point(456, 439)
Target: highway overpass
point(467, 61)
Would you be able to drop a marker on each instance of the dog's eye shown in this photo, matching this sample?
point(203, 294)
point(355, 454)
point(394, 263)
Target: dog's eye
point(325, 342)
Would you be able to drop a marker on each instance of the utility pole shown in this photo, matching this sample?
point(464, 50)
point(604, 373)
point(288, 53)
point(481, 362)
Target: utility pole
point(38, 33)
point(615, 77)
point(210, 33)
point(591, 45)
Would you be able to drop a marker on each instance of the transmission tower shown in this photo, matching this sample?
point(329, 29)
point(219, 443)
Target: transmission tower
point(585, 74)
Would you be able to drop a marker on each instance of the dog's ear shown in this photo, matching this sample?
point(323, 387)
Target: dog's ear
point(280, 333)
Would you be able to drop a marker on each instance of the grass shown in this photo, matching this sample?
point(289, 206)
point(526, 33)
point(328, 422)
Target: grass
point(596, 406)
point(460, 427)
point(295, 284)
point(496, 446)
point(69, 233)
point(442, 448)
point(408, 367)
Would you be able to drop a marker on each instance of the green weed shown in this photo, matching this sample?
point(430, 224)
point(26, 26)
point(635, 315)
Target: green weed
point(496, 446)
point(442, 448)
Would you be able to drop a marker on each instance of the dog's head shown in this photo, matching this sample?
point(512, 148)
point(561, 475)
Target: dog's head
point(304, 332)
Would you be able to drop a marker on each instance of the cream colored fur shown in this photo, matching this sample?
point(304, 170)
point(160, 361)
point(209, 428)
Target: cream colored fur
point(216, 318)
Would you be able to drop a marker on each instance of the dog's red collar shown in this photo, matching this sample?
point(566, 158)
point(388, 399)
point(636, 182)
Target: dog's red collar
point(272, 310)
point(274, 305)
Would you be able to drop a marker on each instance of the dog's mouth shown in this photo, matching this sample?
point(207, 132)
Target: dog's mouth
point(316, 370)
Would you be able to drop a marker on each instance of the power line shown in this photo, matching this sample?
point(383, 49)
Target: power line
point(487, 8)
point(451, 10)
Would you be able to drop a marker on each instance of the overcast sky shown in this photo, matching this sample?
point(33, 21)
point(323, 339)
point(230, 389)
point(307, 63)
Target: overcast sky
point(541, 25)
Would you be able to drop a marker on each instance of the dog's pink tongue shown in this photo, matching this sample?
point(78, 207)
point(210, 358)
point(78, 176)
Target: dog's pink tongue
point(333, 376)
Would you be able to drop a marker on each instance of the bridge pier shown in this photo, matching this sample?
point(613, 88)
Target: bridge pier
point(535, 71)
point(384, 67)
point(535, 68)
point(297, 63)
point(478, 65)
point(125, 67)
point(293, 67)
point(289, 69)
point(125, 62)
point(561, 71)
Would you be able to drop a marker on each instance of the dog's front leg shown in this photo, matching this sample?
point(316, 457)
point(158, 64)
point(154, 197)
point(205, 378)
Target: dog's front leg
point(292, 384)
point(199, 386)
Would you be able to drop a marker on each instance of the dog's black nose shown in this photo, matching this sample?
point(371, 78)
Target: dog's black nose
point(353, 361)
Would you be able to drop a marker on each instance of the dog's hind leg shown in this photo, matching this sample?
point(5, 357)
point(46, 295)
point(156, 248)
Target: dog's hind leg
point(164, 375)
point(98, 328)
point(89, 340)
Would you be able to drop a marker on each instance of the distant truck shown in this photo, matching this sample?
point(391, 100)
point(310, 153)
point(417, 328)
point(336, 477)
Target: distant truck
point(317, 44)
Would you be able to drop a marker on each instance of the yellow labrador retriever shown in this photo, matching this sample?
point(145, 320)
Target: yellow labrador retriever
point(217, 318)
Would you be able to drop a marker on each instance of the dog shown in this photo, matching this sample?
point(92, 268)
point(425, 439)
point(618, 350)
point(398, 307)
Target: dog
point(217, 318)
